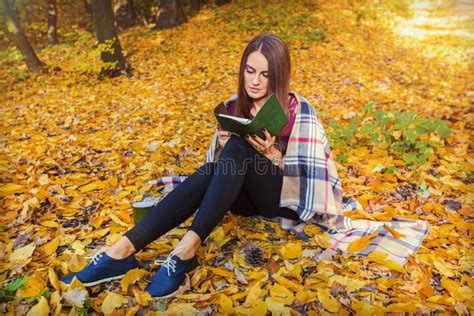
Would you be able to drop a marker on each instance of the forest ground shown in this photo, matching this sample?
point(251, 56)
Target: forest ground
point(77, 150)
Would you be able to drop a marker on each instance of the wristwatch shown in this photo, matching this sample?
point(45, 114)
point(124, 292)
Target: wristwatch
point(276, 161)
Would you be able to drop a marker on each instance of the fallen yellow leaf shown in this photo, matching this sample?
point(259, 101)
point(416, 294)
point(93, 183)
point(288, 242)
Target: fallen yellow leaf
point(93, 186)
point(142, 297)
point(443, 267)
point(381, 257)
point(117, 220)
point(277, 308)
point(360, 244)
point(222, 272)
point(50, 224)
point(226, 304)
point(453, 288)
point(53, 279)
point(34, 285)
point(50, 247)
point(394, 233)
point(288, 283)
point(305, 296)
point(311, 230)
point(43, 179)
point(258, 308)
point(40, 309)
point(111, 302)
point(22, 253)
point(291, 250)
point(323, 240)
point(10, 188)
point(131, 277)
point(328, 301)
point(55, 303)
point(281, 294)
point(253, 295)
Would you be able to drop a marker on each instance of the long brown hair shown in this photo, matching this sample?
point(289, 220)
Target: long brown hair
point(279, 71)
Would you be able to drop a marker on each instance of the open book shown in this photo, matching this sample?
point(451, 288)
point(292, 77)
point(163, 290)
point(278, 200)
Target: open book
point(271, 117)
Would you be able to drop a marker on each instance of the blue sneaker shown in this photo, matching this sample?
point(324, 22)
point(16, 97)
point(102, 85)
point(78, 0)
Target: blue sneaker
point(168, 280)
point(102, 269)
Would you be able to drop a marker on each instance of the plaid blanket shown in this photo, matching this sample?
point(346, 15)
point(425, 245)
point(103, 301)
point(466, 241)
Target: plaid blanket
point(312, 188)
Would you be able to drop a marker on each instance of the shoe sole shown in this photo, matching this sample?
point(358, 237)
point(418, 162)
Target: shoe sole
point(181, 289)
point(100, 281)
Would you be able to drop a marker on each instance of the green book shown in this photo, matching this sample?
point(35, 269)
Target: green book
point(271, 116)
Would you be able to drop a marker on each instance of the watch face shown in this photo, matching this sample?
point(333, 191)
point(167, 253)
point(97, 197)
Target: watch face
point(276, 161)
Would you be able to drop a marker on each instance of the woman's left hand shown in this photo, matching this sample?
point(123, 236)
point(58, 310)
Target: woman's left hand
point(265, 147)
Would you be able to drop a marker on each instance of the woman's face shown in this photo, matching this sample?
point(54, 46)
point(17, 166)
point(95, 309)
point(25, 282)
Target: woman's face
point(256, 75)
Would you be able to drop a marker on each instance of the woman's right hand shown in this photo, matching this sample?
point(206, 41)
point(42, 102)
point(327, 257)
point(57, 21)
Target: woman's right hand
point(222, 137)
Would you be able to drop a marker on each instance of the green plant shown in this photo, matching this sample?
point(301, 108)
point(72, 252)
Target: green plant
point(8, 291)
point(404, 134)
point(84, 310)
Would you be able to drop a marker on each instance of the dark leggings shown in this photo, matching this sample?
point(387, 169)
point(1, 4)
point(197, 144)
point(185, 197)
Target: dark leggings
point(242, 181)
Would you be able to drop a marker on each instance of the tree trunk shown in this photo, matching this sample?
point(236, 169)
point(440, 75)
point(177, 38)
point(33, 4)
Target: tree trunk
point(111, 51)
point(221, 2)
point(195, 5)
point(125, 16)
point(171, 14)
point(87, 7)
point(52, 22)
point(23, 12)
point(16, 34)
point(86, 22)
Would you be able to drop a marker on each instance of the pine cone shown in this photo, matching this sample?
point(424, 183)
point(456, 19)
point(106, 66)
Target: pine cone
point(254, 254)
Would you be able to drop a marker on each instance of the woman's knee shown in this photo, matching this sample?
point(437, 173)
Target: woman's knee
point(237, 144)
point(207, 169)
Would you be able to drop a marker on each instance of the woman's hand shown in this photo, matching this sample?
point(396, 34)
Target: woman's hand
point(265, 147)
point(222, 137)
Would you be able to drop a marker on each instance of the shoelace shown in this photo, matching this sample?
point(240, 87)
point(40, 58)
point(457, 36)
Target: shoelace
point(168, 263)
point(97, 257)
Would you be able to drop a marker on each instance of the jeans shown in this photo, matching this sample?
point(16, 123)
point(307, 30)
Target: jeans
point(241, 180)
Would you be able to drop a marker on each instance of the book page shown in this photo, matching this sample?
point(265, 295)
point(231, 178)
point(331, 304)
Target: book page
point(238, 119)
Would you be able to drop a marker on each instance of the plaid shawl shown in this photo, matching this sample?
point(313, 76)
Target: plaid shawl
point(312, 188)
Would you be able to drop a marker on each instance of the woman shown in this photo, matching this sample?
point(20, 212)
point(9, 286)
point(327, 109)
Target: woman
point(245, 176)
